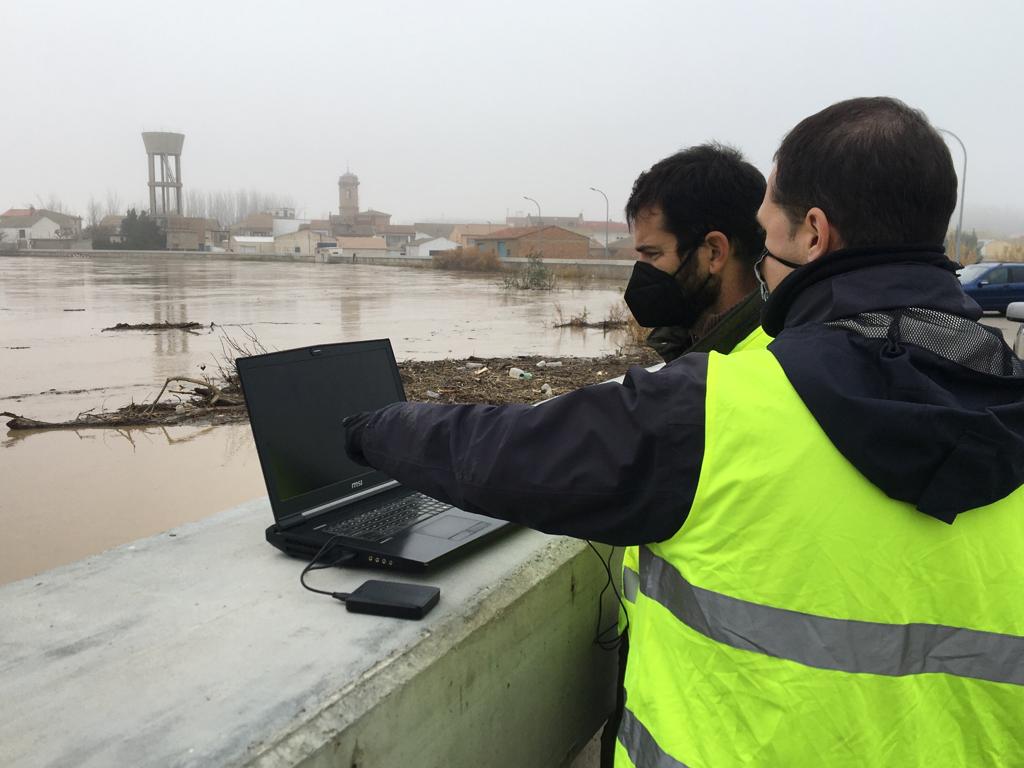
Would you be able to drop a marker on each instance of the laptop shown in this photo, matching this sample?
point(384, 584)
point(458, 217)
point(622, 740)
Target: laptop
point(296, 401)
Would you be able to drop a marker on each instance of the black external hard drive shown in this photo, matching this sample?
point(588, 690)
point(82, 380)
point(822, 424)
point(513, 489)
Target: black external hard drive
point(393, 598)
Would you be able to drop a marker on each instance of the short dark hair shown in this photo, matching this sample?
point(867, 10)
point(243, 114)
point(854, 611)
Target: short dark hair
point(877, 168)
point(701, 189)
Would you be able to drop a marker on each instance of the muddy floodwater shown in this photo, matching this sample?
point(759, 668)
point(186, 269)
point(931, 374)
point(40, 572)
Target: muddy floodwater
point(66, 495)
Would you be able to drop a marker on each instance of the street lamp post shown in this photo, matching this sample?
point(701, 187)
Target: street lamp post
point(540, 220)
point(963, 191)
point(595, 189)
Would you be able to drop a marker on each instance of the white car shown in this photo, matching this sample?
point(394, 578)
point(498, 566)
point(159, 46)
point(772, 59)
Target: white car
point(1015, 311)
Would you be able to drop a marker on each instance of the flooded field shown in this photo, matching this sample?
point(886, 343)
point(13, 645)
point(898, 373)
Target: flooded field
point(66, 495)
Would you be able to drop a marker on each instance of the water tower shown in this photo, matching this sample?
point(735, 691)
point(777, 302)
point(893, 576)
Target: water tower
point(164, 149)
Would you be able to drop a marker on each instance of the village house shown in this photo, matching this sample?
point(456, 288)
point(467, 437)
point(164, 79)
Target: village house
point(252, 244)
point(397, 235)
point(426, 247)
point(192, 233)
point(434, 229)
point(303, 241)
point(544, 221)
point(361, 246)
point(38, 228)
point(110, 228)
point(254, 225)
point(551, 242)
point(461, 232)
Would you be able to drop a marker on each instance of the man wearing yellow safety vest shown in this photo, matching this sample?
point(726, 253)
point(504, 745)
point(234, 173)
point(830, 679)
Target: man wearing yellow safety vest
point(836, 580)
point(695, 231)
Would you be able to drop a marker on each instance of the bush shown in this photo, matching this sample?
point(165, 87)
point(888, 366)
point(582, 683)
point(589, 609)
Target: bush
point(534, 277)
point(467, 259)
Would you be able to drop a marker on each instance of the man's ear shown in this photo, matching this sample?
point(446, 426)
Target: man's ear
point(819, 235)
point(719, 251)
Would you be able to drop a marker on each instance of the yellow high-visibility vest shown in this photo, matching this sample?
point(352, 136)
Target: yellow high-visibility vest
point(801, 617)
point(757, 339)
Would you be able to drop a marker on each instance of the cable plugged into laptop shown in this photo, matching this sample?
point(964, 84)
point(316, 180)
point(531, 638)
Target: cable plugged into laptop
point(397, 599)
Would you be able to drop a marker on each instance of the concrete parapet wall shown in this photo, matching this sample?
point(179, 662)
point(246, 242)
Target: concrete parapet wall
point(198, 647)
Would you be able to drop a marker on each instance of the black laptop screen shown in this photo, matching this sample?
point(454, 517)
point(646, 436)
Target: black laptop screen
point(297, 400)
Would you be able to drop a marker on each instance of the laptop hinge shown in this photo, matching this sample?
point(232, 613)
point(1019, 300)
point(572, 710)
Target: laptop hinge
point(305, 515)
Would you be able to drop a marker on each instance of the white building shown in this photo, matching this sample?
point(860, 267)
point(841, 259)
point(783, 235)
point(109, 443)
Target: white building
point(38, 227)
point(424, 249)
point(251, 244)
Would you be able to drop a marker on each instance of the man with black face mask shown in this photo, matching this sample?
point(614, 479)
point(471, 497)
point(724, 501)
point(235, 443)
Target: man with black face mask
point(697, 238)
point(693, 217)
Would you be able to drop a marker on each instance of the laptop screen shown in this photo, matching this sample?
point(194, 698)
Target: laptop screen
point(297, 400)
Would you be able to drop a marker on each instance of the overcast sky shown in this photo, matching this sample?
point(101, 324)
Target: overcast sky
point(459, 109)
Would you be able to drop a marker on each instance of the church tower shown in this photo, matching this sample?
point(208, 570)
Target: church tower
point(348, 197)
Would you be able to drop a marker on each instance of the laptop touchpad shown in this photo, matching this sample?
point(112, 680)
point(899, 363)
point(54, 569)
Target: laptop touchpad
point(449, 527)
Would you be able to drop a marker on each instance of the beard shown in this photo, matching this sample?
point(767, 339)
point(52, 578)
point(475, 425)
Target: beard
point(700, 293)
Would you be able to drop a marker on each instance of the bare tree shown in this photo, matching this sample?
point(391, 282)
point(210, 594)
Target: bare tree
point(93, 213)
point(113, 205)
point(54, 203)
point(195, 203)
point(241, 203)
point(231, 206)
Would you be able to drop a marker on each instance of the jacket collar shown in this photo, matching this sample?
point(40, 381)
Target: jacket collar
point(850, 281)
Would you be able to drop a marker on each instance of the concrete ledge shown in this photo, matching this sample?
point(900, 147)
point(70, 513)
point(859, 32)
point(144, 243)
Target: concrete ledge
point(199, 647)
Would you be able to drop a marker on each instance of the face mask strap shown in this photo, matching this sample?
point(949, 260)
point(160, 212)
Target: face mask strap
point(782, 261)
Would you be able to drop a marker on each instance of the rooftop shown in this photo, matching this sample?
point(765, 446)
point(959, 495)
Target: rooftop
point(514, 233)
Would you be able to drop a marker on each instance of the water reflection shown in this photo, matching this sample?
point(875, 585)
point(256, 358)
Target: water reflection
point(68, 495)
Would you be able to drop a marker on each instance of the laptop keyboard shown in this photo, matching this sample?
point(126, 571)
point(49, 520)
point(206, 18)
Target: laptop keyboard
point(384, 522)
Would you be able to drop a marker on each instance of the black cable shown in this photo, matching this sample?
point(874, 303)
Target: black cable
point(312, 565)
point(599, 637)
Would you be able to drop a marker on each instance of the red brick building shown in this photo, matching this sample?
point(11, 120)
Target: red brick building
point(551, 242)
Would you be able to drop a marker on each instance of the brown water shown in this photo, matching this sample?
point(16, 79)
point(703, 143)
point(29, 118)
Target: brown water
point(66, 495)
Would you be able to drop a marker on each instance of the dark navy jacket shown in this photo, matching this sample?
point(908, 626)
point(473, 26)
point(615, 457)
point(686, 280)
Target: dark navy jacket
point(936, 423)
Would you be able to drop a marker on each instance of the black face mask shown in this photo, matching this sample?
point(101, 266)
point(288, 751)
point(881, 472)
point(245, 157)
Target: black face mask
point(657, 298)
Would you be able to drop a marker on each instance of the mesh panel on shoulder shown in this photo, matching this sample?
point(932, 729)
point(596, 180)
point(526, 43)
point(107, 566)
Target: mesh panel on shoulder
point(952, 337)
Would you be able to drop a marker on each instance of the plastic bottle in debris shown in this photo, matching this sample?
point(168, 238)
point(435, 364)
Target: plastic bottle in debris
point(519, 373)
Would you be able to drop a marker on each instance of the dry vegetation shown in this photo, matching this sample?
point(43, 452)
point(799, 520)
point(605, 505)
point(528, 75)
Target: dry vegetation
point(616, 318)
point(636, 334)
point(467, 260)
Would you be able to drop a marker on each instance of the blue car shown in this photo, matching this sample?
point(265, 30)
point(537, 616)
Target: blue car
point(993, 285)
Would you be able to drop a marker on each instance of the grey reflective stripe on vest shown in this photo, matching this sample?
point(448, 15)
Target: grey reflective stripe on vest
point(641, 747)
point(841, 644)
point(630, 583)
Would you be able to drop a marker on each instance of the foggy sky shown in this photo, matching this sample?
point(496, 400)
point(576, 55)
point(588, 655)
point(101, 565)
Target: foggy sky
point(458, 109)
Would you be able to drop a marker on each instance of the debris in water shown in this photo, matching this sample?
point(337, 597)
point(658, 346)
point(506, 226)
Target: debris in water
point(164, 326)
